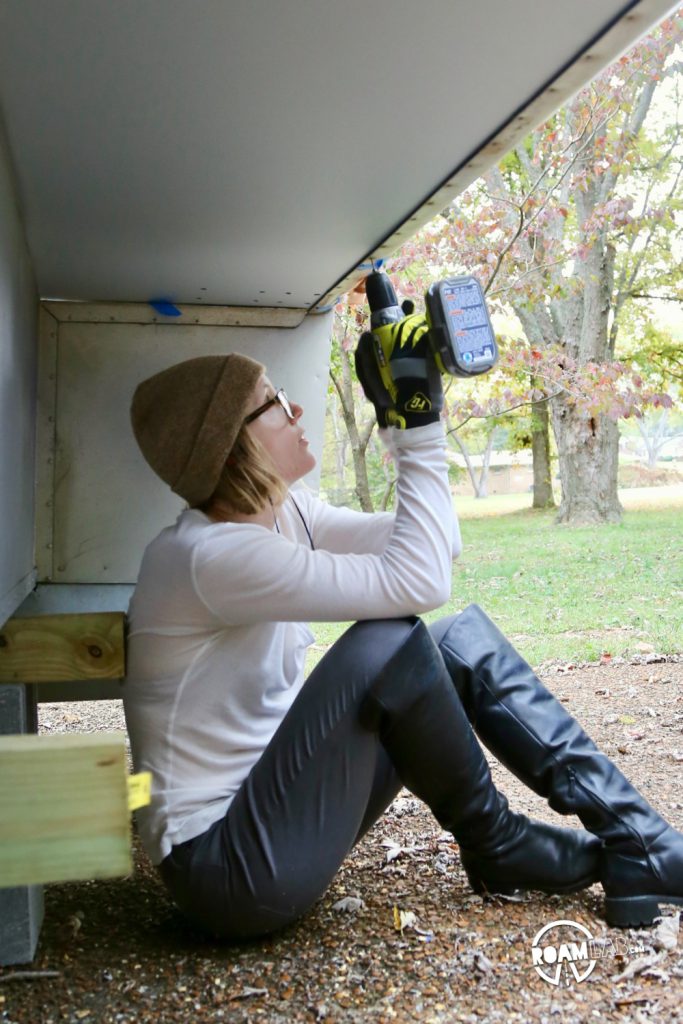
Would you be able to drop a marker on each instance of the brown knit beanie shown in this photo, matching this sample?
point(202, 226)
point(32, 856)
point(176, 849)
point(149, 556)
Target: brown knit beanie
point(186, 419)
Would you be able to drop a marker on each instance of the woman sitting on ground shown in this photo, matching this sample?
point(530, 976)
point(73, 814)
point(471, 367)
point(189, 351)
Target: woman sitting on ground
point(263, 781)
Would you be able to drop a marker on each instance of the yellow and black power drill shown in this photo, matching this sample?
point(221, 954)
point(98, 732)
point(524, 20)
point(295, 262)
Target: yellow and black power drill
point(399, 361)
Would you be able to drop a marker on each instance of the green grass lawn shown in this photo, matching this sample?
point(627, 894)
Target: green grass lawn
point(569, 594)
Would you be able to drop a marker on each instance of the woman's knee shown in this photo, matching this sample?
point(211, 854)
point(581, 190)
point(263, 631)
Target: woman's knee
point(381, 665)
point(368, 646)
point(440, 628)
point(411, 673)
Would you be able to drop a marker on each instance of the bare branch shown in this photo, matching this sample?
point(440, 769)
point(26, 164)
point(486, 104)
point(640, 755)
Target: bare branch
point(365, 434)
point(503, 412)
point(537, 269)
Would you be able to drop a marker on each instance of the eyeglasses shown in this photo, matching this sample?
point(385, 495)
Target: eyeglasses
point(279, 398)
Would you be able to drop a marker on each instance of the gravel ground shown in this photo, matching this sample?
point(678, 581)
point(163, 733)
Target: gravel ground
point(410, 942)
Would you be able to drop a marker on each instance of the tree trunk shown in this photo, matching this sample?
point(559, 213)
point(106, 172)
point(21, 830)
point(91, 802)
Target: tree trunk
point(479, 481)
point(483, 487)
point(468, 463)
point(540, 451)
point(341, 439)
point(362, 487)
point(655, 440)
point(358, 440)
point(588, 451)
point(588, 446)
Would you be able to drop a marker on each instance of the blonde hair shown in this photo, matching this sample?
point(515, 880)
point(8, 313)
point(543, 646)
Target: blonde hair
point(249, 479)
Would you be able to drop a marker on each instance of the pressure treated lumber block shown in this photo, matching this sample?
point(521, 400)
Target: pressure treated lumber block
point(21, 906)
point(63, 808)
point(59, 648)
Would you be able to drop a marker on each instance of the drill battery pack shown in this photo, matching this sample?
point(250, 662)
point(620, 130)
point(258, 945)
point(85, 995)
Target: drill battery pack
point(461, 333)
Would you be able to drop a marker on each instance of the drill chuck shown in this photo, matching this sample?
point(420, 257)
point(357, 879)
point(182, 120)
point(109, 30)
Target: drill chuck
point(384, 307)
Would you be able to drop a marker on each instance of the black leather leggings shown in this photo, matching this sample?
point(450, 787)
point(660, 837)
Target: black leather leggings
point(322, 781)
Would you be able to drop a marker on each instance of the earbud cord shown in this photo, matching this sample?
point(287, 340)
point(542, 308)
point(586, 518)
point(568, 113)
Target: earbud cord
point(301, 517)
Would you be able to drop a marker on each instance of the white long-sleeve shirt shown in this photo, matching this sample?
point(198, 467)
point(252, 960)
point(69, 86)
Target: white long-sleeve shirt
point(218, 635)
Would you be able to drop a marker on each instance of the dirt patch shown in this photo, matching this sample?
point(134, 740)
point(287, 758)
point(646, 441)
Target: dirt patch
point(610, 633)
point(121, 953)
point(637, 474)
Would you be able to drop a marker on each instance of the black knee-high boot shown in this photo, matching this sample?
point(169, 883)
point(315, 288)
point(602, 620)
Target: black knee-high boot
point(532, 734)
point(424, 728)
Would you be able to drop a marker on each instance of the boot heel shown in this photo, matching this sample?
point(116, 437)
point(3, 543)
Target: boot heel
point(631, 911)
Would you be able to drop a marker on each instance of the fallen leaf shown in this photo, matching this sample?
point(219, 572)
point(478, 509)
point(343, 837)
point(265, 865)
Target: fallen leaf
point(665, 935)
point(518, 896)
point(638, 965)
point(349, 904)
point(482, 963)
point(404, 919)
point(247, 992)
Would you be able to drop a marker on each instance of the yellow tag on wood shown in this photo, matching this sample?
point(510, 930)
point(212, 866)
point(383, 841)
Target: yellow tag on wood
point(139, 790)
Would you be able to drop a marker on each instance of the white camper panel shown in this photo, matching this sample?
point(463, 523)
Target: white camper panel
point(104, 503)
point(18, 332)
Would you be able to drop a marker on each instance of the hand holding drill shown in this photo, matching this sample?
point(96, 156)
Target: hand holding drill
point(399, 361)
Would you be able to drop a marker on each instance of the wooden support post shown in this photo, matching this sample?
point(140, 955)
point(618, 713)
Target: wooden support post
point(63, 800)
point(63, 808)
point(56, 648)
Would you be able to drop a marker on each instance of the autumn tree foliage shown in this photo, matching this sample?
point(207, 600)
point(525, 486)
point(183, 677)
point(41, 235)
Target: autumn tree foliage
point(571, 230)
point(575, 233)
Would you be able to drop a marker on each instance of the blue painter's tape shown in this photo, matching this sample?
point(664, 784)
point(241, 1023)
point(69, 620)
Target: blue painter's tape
point(165, 307)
